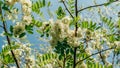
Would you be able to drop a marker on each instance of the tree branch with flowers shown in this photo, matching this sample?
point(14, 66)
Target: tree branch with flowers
point(66, 36)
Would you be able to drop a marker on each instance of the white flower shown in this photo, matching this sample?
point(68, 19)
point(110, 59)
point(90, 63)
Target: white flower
point(4, 45)
point(108, 43)
point(26, 2)
point(71, 33)
point(13, 67)
point(79, 32)
point(107, 53)
point(2, 34)
point(51, 21)
point(11, 2)
point(18, 29)
point(73, 41)
point(83, 65)
point(104, 30)
point(117, 43)
point(53, 42)
point(66, 20)
point(26, 10)
point(9, 16)
point(27, 19)
point(108, 63)
point(48, 66)
point(87, 50)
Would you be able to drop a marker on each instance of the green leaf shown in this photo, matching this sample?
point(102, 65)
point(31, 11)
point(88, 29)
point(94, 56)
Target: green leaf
point(107, 4)
point(60, 13)
point(5, 7)
point(37, 23)
point(1, 3)
point(60, 57)
point(111, 0)
point(49, 3)
point(22, 35)
point(46, 58)
point(2, 66)
point(109, 23)
point(29, 29)
point(30, 32)
point(11, 29)
point(43, 2)
point(42, 35)
point(71, 6)
point(8, 34)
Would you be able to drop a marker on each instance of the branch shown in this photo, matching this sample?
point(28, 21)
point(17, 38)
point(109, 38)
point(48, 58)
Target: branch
point(67, 9)
point(113, 59)
point(8, 40)
point(59, 63)
point(9, 43)
point(102, 58)
point(76, 28)
point(95, 6)
point(64, 60)
point(93, 55)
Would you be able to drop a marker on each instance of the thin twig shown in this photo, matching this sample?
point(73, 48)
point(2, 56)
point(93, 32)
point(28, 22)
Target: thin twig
point(93, 55)
point(59, 63)
point(9, 43)
point(76, 28)
point(95, 6)
point(74, 63)
point(64, 61)
point(8, 40)
point(113, 58)
point(67, 9)
point(101, 57)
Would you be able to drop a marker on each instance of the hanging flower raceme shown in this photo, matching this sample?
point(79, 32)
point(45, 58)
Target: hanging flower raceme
point(26, 6)
point(60, 30)
point(26, 9)
point(11, 2)
point(18, 29)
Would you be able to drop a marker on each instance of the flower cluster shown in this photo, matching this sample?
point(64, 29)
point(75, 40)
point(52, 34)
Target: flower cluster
point(26, 15)
point(60, 30)
point(24, 52)
point(26, 8)
point(11, 2)
point(82, 65)
point(91, 40)
point(18, 29)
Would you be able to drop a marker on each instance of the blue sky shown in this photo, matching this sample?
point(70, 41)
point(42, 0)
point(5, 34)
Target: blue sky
point(34, 38)
point(54, 7)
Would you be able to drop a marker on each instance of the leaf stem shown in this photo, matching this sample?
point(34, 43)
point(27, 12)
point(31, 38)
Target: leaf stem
point(67, 9)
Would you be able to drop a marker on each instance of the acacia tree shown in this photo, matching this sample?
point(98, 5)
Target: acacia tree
point(74, 41)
